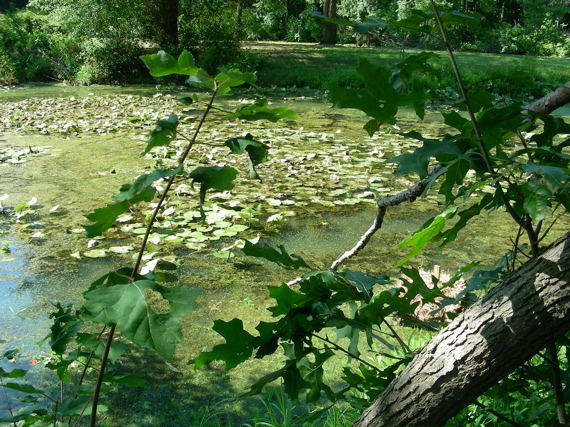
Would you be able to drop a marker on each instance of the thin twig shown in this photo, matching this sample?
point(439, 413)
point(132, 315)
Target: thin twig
point(545, 233)
point(348, 353)
point(100, 376)
point(364, 239)
point(557, 382)
point(498, 415)
point(515, 243)
point(409, 195)
point(400, 340)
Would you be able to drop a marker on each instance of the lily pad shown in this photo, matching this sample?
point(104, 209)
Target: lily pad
point(120, 249)
point(95, 253)
point(225, 232)
point(238, 227)
point(196, 236)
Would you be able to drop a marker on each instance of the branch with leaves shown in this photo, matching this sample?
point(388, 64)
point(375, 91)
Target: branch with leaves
point(119, 299)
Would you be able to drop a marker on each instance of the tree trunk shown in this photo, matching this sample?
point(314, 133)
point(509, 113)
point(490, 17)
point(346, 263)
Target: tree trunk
point(237, 29)
point(329, 29)
point(164, 15)
point(510, 324)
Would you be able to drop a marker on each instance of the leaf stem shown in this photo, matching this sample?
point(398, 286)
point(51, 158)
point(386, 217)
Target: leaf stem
point(557, 382)
point(170, 182)
point(100, 376)
point(90, 357)
point(348, 353)
point(142, 249)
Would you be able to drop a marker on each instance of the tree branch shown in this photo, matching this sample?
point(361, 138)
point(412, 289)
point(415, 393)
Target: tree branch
point(550, 102)
point(409, 195)
point(514, 321)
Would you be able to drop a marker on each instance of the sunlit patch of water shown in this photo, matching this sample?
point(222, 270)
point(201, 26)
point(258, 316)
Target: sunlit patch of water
point(16, 298)
point(324, 158)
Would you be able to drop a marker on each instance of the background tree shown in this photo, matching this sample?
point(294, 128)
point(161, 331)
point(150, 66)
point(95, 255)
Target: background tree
point(163, 19)
point(329, 29)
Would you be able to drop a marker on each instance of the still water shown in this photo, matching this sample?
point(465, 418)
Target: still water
point(71, 176)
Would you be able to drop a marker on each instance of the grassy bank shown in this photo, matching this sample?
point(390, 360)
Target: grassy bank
point(309, 64)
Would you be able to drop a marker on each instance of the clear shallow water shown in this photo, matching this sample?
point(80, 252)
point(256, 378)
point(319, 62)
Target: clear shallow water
point(16, 298)
point(78, 178)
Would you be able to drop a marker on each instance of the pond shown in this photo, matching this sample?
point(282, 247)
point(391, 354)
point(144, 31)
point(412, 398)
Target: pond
point(71, 149)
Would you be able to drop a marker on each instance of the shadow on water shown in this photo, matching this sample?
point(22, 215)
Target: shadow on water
point(32, 276)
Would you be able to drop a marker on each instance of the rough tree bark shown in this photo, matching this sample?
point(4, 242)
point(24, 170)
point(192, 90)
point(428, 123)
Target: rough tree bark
point(514, 321)
point(329, 29)
point(550, 102)
point(518, 318)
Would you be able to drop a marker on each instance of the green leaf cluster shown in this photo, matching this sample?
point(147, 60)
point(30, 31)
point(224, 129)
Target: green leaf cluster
point(116, 300)
point(386, 90)
point(329, 313)
point(163, 64)
point(533, 178)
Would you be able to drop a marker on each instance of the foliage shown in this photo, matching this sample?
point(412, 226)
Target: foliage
point(76, 354)
point(304, 28)
point(524, 397)
point(135, 305)
point(93, 41)
point(329, 313)
point(22, 42)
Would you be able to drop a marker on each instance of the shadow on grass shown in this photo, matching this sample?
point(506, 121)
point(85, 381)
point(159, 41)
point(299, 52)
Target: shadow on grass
point(195, 398)
point(313, 65)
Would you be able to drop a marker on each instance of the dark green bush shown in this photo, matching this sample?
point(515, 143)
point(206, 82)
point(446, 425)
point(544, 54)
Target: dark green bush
point(23, 46)
point(249, 61)
point(110, 61)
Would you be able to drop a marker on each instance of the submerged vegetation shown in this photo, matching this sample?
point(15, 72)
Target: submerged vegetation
point(329, 336)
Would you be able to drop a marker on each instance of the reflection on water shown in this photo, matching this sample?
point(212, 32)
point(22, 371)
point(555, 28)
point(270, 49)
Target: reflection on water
point(61, 90)
point(31, 277)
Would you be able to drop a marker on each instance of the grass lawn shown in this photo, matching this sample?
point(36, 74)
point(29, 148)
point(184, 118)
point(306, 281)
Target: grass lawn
point(309, 64)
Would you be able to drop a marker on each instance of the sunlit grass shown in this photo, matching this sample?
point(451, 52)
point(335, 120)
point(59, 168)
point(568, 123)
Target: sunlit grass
point(309, 64)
